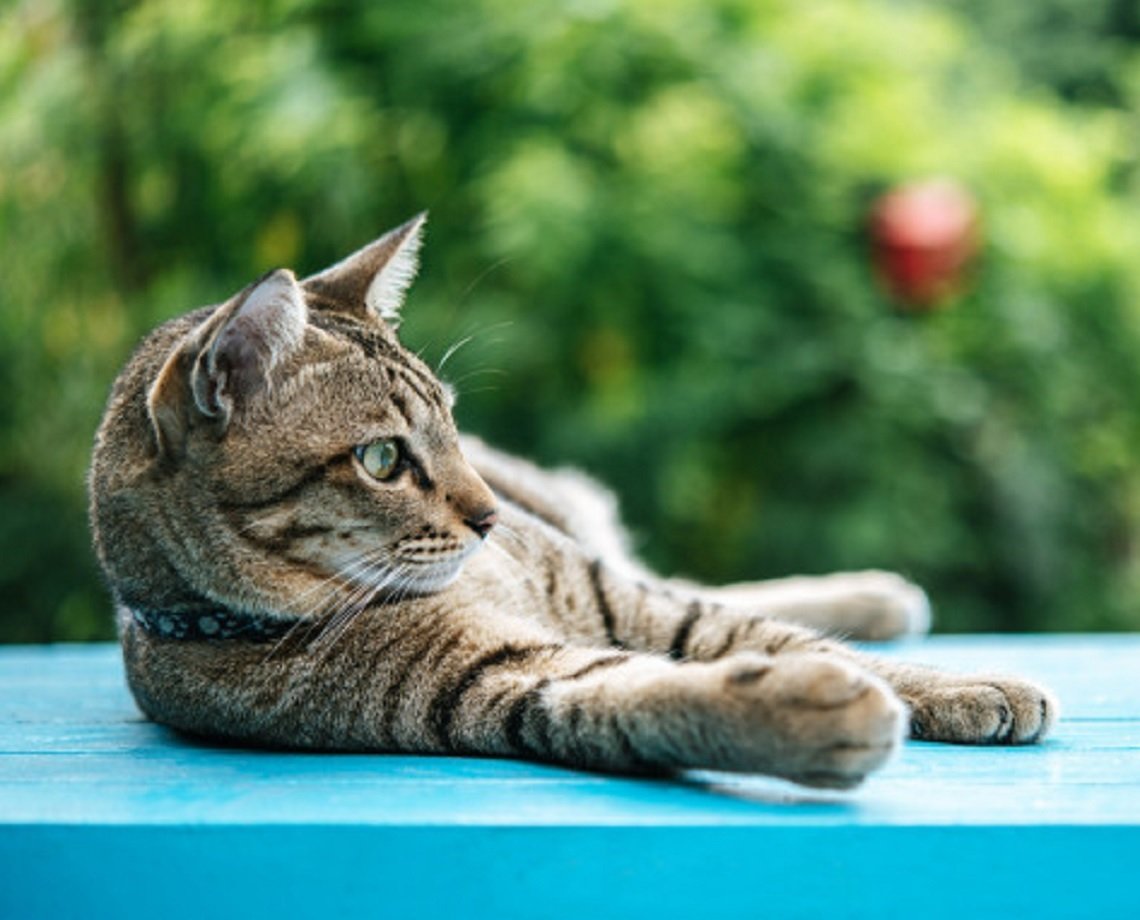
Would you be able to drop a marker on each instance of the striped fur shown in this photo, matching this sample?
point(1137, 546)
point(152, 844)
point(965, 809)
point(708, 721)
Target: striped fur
point(227, 475)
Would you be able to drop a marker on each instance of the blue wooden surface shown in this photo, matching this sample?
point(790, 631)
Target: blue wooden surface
point(104, 814)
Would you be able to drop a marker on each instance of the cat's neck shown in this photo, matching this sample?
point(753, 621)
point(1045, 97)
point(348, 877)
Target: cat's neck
point(207, 621)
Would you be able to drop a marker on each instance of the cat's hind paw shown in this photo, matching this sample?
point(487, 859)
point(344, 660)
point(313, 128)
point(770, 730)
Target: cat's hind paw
point(871, 605)
point(881, 605)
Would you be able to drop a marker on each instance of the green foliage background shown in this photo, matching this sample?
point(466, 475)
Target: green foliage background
point(649, 214)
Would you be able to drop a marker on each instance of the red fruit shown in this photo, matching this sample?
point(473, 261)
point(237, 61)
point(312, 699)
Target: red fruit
point(925, 235)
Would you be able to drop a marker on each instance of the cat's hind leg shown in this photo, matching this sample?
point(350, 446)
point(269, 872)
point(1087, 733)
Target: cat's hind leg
point(870, 605)
point(857, 605)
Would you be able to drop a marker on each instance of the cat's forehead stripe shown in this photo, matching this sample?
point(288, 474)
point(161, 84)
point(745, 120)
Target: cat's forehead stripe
point(424, 387)
point(401, 406)
point(396, 363)
point(372, 342)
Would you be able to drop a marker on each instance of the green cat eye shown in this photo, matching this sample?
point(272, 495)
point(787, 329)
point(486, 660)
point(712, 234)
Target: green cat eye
point(381, 458)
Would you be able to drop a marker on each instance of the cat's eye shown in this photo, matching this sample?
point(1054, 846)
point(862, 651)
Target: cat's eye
point(381, 459)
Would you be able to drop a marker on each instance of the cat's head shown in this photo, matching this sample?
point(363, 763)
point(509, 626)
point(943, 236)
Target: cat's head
point(284, 453)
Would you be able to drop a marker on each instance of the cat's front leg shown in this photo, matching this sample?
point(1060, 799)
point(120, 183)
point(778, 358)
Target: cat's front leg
point(971, 708)
point(813, 719)
point(967, 709)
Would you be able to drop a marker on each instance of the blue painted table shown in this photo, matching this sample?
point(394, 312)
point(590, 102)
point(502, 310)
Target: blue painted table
point(105, 815)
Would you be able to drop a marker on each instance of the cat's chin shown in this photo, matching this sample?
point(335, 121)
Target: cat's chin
point(431, 580)
point(400, 578)
point(436, 576)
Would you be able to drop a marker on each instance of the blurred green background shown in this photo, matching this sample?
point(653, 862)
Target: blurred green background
point(651, 217)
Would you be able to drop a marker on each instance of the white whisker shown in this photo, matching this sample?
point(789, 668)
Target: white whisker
point(481, 277)
point(452, 350)
point(311, 604)
point(338, 625)
point(477, 372)
point(507, 533)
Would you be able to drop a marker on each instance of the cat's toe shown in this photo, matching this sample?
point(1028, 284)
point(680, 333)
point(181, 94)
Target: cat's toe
point(1034, 710)
point(819, 682)
point(844, 766)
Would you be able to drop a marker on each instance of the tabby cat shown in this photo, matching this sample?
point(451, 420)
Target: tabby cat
point(304, 552)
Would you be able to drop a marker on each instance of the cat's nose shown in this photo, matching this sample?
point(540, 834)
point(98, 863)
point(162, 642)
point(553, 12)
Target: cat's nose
point(482, 522)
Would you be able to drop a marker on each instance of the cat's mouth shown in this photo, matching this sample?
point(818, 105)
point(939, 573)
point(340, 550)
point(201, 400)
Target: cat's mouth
point(432, 569)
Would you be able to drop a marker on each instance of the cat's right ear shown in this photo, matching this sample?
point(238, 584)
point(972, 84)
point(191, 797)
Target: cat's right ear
point(373, 280)
point(227, 361)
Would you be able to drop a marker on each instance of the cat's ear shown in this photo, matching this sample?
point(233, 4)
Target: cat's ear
point(228, 360)
point(373, 280)
point(262, 331)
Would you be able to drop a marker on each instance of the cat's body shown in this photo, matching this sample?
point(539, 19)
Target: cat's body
point(305, 553)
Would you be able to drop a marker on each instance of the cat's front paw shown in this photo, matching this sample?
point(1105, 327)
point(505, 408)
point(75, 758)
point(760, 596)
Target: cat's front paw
point(816, 720)
point(982, 710)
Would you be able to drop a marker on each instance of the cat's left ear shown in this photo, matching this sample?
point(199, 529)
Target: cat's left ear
point(266, 328)
point(372, 281)
point(228, 360)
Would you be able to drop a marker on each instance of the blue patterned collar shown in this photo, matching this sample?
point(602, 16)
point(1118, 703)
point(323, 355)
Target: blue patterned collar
point(212, 623)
